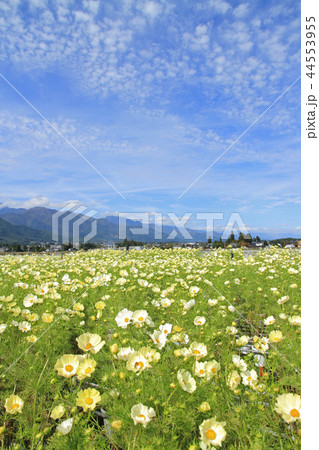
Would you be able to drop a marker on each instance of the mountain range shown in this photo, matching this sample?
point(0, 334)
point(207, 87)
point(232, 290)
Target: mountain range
point(24, 226)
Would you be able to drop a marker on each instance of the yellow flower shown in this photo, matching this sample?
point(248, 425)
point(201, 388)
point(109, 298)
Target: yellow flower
point(117, 424)
point(114, 348)
point(212, 432)
point(90, 342)
point(137, 362)
point(47, 318)
point(57, 412)
point(14, 404)
point(288, 405)
point(86, 368)
point(275, 336)
point(67, 365)
point(88, 398)
point(100, 305)
point(204, 407)
point(233, 380)
point(198, 350)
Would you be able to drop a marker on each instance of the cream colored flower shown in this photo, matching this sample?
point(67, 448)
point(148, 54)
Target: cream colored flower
point(243, 340)
point(249, 377)
point(158, 338)
point(89, 342)
point(199, 320)
point(124, 353)
point(57, 412)
point(239, 363)
point(87, 399)
point(275, 336)
point(100, 305)
point(212, 368)
point(14, 404)
point(198, 350)
point(86, 368)
point(137, 362)
point(47, 318)
point(288, 406)
point(233, 380)
point(24, 327)
point(204, 407)
point(200, 369)
point(186, 381)
point(295, 320)
point(212, 433)
point(142, 414)
point(67, 365)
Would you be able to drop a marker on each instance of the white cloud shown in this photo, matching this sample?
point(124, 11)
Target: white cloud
point(220, 6)
point(241, 10)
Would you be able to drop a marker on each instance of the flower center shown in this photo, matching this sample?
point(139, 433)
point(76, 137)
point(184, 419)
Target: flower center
point(88, 346)
point(141, 416)
point(89, 401)
point(88, 370)
point(294, 413)
point(165, 331)
point(126, 319)
point(140, 319)
point(139, 364)
point(196, 352)
point(213, 369)
point(210, 434)
point(68, 368)
point(202, 371)
point(15, 406)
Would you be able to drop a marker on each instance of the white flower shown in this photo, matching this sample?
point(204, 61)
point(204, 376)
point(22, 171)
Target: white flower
point(139, 317)
point(270, 320)
point(167, 328)
point(3, 326)
point(212, 433)
point(159, 339)
point(249, 377)
point(186, 381)
point(124, 353)
point(123, 319)
point(189, 305)
point(212, 301)
point(65, 426)
point(239, 363)
point(199, 320)
point(24, 327)
point(142, 414)
point(166, 302)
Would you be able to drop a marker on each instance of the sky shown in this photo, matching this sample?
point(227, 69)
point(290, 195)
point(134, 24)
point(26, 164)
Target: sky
point(144, 96)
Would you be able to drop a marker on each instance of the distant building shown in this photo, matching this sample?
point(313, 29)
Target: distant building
point(290, 246)
point(55, 247)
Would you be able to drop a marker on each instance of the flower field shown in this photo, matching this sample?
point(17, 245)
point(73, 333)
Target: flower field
point(152, 349)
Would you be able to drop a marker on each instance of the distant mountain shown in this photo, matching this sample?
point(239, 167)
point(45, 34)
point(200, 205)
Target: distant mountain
point(20, 234)
point(40, 218)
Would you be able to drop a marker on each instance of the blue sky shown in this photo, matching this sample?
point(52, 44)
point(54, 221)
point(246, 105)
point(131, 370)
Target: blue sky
point(151, 93)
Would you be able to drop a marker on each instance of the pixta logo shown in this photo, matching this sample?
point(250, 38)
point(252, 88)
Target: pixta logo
point(70, 212)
